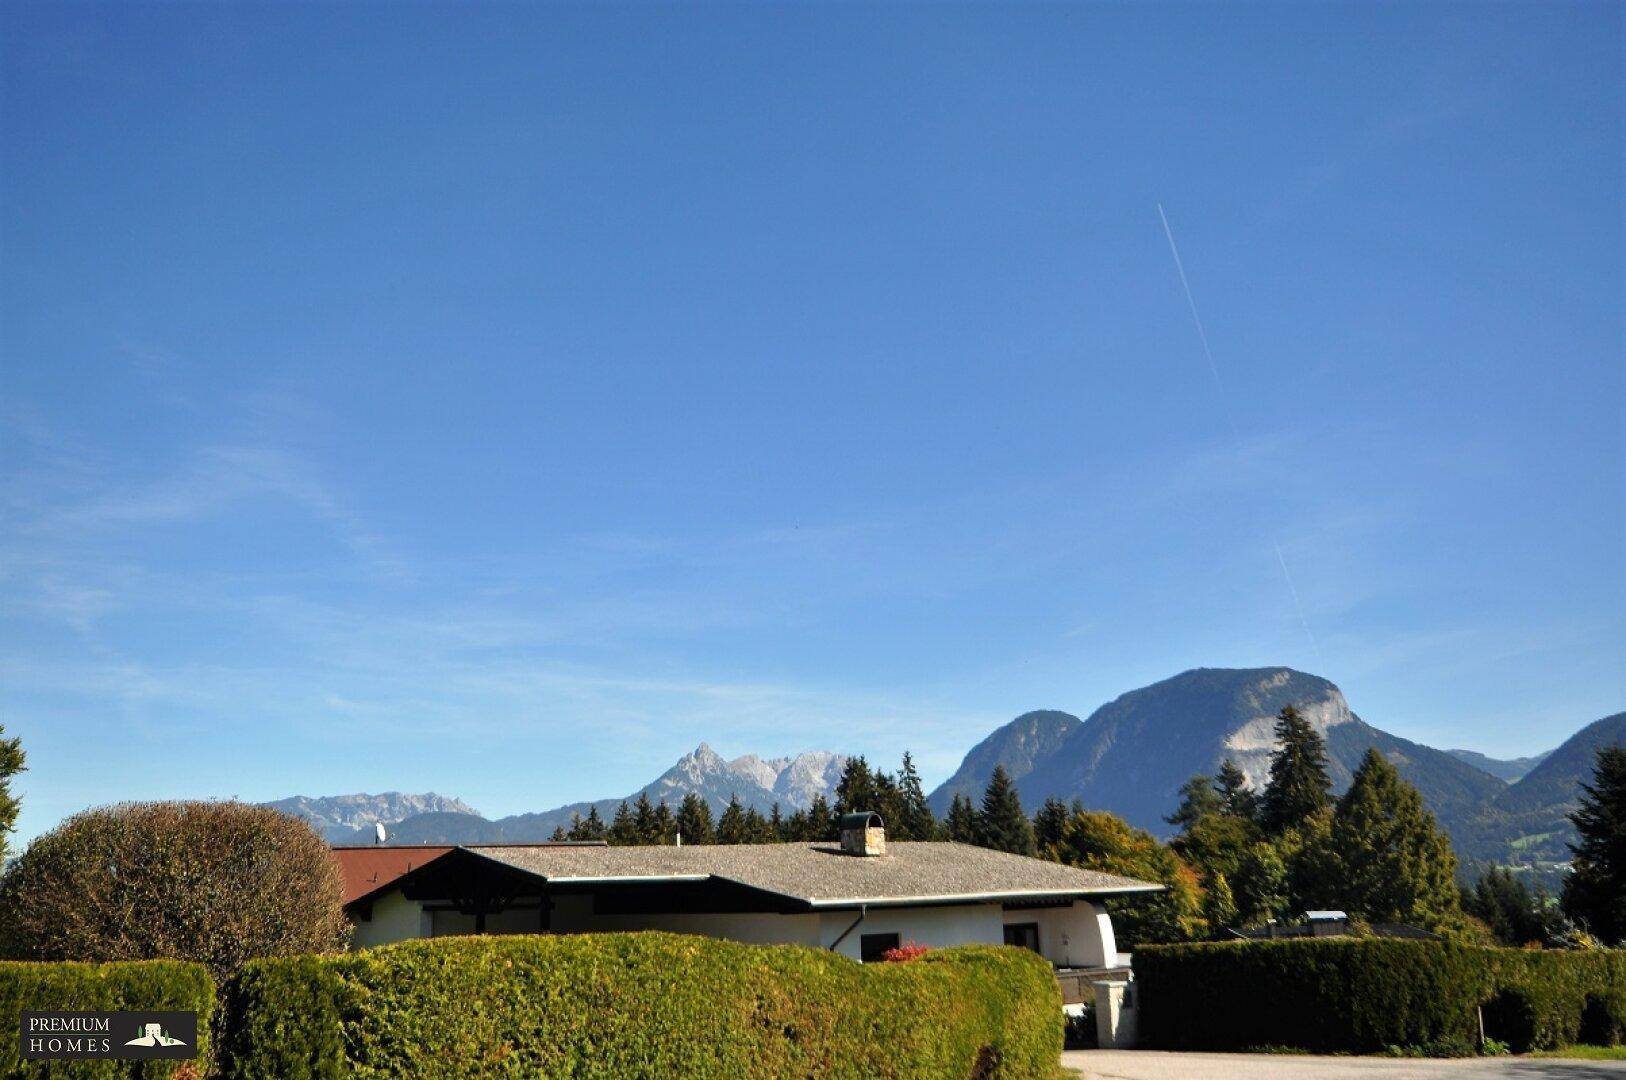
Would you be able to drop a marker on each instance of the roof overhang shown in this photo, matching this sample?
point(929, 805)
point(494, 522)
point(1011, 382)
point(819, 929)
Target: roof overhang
point(439, 865)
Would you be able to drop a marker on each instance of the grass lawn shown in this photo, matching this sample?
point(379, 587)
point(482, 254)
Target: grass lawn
point(1590, 1053)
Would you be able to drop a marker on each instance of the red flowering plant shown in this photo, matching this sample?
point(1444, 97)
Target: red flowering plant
point(909, 950)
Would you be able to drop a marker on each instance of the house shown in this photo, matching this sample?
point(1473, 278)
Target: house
point(858, 897)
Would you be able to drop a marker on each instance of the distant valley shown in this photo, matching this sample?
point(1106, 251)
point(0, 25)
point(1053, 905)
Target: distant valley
point(1130, 756)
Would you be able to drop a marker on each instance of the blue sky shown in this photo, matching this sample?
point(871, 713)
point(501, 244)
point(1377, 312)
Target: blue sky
point(500, 400)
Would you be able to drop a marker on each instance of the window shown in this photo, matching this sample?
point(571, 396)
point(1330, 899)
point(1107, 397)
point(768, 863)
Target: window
point(871, 946)
point(1024, 935)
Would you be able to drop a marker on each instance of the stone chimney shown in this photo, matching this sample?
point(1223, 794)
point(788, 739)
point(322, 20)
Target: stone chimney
point(863, 833)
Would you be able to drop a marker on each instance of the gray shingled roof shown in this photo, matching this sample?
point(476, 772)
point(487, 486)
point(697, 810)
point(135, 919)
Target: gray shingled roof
point(822, 875)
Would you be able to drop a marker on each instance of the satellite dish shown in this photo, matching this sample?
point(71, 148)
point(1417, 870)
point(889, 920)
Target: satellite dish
point(378, 829)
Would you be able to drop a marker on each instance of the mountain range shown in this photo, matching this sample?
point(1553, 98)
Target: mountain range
point(792, 782)
point(1130, 756)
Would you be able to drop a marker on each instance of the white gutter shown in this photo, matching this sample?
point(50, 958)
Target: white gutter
point(970, 898)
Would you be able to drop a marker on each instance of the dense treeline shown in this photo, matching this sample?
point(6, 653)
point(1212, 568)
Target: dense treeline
point(1241, 858)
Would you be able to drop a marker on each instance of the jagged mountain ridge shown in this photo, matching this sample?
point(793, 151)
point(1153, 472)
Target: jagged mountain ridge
point(792, 782)
point(338, 817)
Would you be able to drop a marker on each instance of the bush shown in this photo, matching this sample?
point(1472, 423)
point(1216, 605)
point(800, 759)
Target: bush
point(648, 1004)
point(1362, 995)
point(214, 882)
point(148, 985)
point(909, 950)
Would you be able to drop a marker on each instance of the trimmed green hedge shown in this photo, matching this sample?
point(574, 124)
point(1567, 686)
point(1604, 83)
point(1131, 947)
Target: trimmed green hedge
point(647, 1004)
point(1364, 994)
point(169, 985)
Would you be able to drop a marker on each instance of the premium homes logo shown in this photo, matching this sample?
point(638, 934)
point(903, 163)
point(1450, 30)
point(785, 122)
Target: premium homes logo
point(129, 1036)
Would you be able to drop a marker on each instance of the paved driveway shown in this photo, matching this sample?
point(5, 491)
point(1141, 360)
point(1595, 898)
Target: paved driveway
point(1157, 1065)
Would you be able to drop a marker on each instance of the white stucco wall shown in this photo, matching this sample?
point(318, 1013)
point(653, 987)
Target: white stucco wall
point(394, 918)
point(934, 927)
point(1076, 936)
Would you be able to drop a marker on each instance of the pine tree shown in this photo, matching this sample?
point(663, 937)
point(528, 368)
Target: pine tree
point(643, 821)
point(1004, 826)
point(559, 833)
point(12, 761)
point(592, 827)
point(1595, 891)
point(1048, 823)
point(1298, 785)
point(776, 825)
point(915, 818)
point(623, 827)
point(1232, 785)
point(731, 827)
point(962, 825)
point(821, 821)
point(756, 827)
point(1515, 914)
point(665, 824)
point(1389, 860)
point(856, 789)
point(1198, 800)
point(694, 820)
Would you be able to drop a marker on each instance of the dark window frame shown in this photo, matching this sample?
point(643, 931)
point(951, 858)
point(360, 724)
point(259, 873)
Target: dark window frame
point(871, 949)
point(1024, 926)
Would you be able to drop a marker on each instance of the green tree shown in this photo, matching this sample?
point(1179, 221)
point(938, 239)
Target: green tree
point(1260, 885)
point(1232, 785)
point(1298, 786)
point(1217, 844)
point(1105, 842)
point(694, 820)
point(732, 828)
point(1003, 825)
point(821, 821)
point(1389, 861)
point(857, 788)
point(915, 818)
point(757, 830)
point(665, 823)
point(1048, 823)
point(962, 825)
point(644, 825)
point(590, 827)
point(623, 831)
point(776, 825)
point(1595, 891)
point(1512, 912)
point(1198, 800)
point(12, 762)
point(1219, 905)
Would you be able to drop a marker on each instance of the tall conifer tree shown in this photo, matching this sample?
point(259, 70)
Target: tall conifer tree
point(1390, 862)
point(1595, 891)
point(1298, 787)
point(1003, 824)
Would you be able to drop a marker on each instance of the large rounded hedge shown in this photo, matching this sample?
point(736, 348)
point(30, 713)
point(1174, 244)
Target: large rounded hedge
point(219, 883)
point(641, 1004)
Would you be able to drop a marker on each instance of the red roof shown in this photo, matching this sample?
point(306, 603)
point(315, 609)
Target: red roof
point(368, 869)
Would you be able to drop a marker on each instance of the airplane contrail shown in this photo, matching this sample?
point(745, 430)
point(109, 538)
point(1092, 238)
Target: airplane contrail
point(1230, 422)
